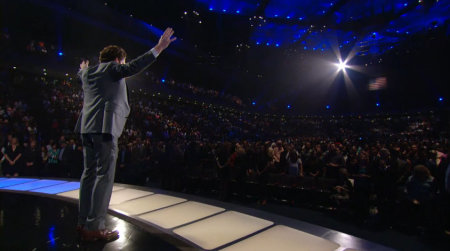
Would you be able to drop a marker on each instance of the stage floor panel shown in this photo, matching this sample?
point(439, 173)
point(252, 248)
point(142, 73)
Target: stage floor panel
point(35, 185)
point(181, 214)
point(283, 238)
point(14, 181)
point(147, 204)
point(75, 194)
point(221, 229)
point(64, 187)
point(126, 194)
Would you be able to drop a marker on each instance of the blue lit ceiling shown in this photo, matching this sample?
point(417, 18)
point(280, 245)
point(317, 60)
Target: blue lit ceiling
point(234, 7)
point(372, 27)
point(300, 10)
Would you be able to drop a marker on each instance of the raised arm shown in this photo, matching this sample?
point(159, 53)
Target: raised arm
point(142, 62)
point(84, 64)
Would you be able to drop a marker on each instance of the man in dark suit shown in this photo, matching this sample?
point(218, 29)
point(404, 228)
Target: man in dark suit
point(70, 160)
point(101, 122)
point(32, 158)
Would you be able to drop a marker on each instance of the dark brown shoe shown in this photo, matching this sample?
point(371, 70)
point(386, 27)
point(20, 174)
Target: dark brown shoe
point(99, 235)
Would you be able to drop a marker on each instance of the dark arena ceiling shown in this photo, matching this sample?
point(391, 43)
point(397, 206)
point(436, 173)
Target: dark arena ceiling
point(272, 53)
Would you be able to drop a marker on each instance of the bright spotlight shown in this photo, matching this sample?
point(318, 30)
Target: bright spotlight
point(341, 66)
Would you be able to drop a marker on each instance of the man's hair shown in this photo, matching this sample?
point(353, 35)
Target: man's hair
point(111, 52)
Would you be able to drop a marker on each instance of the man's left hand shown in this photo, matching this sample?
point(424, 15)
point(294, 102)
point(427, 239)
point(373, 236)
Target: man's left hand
point(84, 64)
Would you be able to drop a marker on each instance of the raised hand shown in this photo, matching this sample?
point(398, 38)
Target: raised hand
point(165, 40)
point(84, 64)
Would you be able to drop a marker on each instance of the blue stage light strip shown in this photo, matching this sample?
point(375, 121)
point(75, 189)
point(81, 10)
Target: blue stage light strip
point(2, 179)
point(14, 181)
point(61, 188)
point(35, 185)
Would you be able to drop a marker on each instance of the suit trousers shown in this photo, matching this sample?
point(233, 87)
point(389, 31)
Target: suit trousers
point(100, 155)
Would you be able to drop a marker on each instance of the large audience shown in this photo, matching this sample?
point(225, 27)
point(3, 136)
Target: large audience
point(383, 168)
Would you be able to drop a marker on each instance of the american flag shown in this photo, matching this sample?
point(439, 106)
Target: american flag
point(378, 84)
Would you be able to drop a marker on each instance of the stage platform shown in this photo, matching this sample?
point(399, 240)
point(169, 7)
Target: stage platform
point(202, 224)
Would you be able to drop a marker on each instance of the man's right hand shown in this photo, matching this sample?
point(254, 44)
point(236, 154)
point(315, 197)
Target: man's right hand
point(165, 40)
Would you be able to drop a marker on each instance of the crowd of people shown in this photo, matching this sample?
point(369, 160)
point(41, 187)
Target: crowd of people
point(372, 165)
point(197, 92)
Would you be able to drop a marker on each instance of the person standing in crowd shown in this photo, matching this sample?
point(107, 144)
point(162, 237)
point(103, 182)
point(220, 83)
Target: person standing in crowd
point(68, 158)
point(74, 158)
point(62, 159)
point(223, 161)
point(101, 122)
point(53, 161)
point(421, 191)
point(447, 195)
point(294, 163)
point(335, 161)
point(32, 159)
point(44, 171)
point(13, 163)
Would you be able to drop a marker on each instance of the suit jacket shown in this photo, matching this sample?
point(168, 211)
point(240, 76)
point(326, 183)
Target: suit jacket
point(105, 103)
